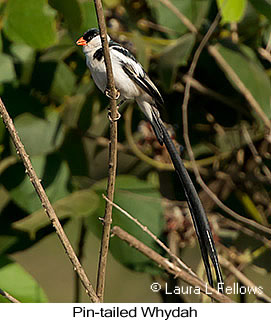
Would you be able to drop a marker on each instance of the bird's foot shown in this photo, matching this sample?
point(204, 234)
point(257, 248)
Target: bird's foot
point(115, 119)
point(107, 93)
point(118, 113)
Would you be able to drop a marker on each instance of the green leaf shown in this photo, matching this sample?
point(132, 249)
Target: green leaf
point(60, 51)
point(40, 136)
point(22, 52)
point(78, 204)
point(143, 201)
point(89, 15)
point(250, 72)
point(231, 10)
point(26, 56)
point(173, 57)
point(6, 241)
point(195, 11)
point(64, 81)
point(18, 283)
point(262, 6)
point(55, 179)
point(7, 72)
point(71, 12)
point(31, 22)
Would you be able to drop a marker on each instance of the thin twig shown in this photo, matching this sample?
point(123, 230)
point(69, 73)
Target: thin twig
point(46, 203)
point(153, 236)
point(265, 54)
point(8, 296)
point(243, 89)
point(246, 281)
point(247, 231)
point(268, 45)
point(180, 15)
point(258, 159)
point(169, 266)
point(211, 93)
point(112, 162)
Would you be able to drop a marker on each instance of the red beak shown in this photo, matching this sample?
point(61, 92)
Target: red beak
point(81, 42)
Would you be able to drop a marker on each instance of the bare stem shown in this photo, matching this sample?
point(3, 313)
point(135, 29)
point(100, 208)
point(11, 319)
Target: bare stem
point(8, 296)
point(246, 281)
point(46, 203)
point(241, 86)
point(154, 237)
point(113, 148)
point(169, 266)
point(180, 15)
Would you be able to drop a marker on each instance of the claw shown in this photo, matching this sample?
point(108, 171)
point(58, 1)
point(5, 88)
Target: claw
point(115, 119)
point(107, 93)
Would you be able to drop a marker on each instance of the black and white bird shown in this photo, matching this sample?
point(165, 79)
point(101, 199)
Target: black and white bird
point(132, 82)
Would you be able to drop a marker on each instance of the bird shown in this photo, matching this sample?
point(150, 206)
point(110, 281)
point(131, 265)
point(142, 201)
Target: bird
point(133, 83)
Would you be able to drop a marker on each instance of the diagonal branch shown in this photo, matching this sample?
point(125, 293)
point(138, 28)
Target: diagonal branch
point(112, 162)
point(241, 86)
point(154, 237)
point(46, 203)
point(8, 296)
point(169, 266)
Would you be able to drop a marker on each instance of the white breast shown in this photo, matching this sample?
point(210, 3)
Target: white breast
point(128, 89)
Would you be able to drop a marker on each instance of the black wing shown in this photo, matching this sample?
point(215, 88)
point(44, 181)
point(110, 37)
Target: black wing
point(143, 81)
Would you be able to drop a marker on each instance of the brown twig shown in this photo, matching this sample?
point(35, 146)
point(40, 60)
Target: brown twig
point(112, 162)
point(246, 281)
point(180, 15)
point(258, 159)
point(8, 296)
point(154, 237)
point(243, 89)
point(46, 203)
point(246, 231)
point(169, 266)
point(211, 93)
point(265, 54)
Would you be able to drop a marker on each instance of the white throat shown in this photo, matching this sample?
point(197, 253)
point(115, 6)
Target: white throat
point(94, 44)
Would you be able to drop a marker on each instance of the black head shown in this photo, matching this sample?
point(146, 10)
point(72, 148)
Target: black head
point(90, 34)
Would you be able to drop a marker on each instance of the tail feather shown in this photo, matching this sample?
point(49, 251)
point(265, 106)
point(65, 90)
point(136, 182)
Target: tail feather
point(200, 220)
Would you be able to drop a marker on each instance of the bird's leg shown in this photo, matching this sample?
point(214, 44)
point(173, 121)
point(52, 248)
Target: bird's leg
point(118, 114)
point(107, 93)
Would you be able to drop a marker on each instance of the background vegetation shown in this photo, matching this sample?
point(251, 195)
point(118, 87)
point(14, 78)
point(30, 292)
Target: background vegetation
point(62, 120)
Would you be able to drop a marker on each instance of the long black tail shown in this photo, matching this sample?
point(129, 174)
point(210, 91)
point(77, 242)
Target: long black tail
point(200, 220)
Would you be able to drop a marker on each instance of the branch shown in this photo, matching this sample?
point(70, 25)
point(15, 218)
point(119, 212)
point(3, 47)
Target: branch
point(180, 15)
point(246, 281)
point(112, 162)
point(8, 296)
point(46, 203)
point(154, 237)
point(243, 89)
point(169, 266)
